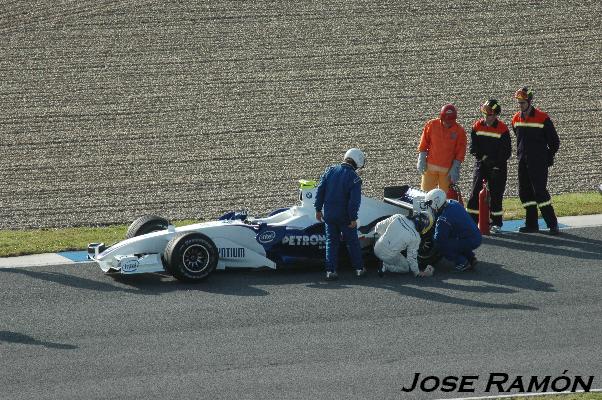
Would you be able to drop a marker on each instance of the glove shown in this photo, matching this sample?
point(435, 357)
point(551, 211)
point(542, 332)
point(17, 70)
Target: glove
point(421, 165)
point(428, 271)
point(454, 172)
point(488, 162)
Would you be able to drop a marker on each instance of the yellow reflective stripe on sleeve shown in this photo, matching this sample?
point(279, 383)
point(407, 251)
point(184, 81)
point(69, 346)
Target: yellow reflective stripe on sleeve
point(545, 203)
point(497, 213)
point(305, 184)
point(529, 203)
point(471, 211)
point(529, 124)
point(489, 134)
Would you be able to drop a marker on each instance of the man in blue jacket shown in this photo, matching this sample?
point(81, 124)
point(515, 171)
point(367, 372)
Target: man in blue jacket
point(339, 193)
point(456, 234)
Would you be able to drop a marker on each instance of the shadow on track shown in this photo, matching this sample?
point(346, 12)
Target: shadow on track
point(489, 278)
point(153, 284)
point(68, 280)
point(432, 288)
point(567, 244)
point(494, 278)
point(19, 338)
point(231, 282)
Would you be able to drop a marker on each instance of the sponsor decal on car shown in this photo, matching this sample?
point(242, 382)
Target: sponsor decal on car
point(305, 240)
point(232, 252)
point(266, 237)
point(129, 266)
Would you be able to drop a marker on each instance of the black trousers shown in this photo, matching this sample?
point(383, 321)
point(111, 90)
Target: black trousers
point(533, 192)
point(497, 186)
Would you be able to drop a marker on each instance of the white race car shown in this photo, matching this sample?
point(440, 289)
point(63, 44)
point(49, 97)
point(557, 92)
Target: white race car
point(286, 236)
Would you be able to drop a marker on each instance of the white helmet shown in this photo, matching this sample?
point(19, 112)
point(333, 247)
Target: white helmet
point(437, 198)
point(357, 156)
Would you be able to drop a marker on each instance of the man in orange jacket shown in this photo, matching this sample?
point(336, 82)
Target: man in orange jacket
point(441, 150)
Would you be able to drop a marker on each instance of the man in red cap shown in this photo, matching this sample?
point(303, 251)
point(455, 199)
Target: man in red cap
point(537, 144)
point(441, 150)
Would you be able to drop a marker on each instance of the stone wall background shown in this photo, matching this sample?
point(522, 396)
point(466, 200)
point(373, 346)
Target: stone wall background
point(110, 109)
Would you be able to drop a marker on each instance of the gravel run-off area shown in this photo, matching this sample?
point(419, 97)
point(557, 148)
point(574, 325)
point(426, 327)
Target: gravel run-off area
point(113, 109)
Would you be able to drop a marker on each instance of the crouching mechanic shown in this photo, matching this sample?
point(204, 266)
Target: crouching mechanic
point(397, 234)
point(340, 193)
point(456, 235)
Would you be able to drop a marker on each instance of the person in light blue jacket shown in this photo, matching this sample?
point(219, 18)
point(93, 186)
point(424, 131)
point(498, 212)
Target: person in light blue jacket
point(337, 204)
point(456, 235)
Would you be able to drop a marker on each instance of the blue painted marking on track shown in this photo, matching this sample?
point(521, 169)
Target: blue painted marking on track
point(76, 256)
point(513, 225)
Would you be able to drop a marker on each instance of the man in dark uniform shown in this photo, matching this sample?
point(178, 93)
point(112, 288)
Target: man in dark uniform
point(340, 193)
point(456, 236)
point(537, 144)
point(491, 145)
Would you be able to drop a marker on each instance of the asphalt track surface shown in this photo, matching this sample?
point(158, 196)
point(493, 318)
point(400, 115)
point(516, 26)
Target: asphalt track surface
point(114, 109)
point(533, 307)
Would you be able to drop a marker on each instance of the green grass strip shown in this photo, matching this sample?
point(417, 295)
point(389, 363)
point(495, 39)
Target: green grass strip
point(565, 205)
point(36, 241)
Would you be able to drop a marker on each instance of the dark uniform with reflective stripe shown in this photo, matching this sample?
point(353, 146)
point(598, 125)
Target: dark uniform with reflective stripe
point(537, 144)
point(491, 145)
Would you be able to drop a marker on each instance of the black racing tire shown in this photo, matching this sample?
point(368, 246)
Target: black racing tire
point(191, 257)
point(427, 254)
point(146, 224)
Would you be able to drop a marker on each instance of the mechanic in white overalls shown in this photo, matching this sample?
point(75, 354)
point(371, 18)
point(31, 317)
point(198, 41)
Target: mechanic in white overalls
point(398, 233)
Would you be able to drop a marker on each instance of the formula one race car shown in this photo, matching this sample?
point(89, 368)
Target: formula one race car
point(286, 236)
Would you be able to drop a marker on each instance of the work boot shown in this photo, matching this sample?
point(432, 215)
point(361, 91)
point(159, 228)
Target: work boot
point(331, 276)
point(529, 229)
point(463, 267)
point(497, 220)
point(531, 217)
point(381, 269)
point(548, 214)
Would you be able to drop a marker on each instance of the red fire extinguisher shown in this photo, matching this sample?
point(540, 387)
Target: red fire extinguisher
point(484, 209)
point(454, 193)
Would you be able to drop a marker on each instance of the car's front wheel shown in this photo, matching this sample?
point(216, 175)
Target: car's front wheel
point(191, 257)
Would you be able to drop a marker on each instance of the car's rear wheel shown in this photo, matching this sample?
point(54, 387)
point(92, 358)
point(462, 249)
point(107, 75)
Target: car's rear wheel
point(146, 224)
point(191, 257)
